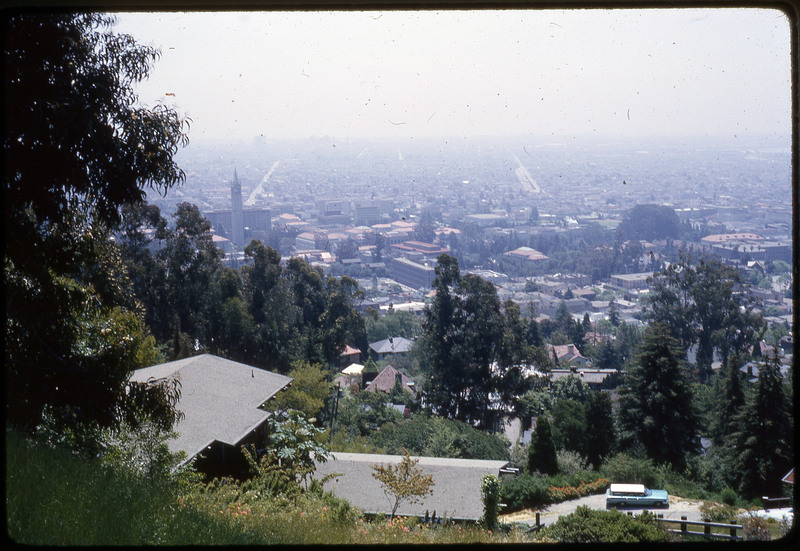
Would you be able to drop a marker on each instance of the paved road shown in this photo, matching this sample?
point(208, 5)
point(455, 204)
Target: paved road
point(677, 507)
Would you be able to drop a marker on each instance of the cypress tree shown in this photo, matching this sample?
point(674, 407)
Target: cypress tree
point(600, 436)
point(542, 452)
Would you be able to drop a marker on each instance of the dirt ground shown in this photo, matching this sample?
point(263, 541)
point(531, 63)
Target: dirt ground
point(678, 507)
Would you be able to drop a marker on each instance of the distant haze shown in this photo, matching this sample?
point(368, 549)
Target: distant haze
point(619, 74)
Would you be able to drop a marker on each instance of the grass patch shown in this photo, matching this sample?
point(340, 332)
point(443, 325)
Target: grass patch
point(55, 497)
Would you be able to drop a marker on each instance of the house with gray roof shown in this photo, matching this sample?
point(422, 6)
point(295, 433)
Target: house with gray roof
point(456, 489)
point(393, 345)
point(220, 400)
point(595, 378)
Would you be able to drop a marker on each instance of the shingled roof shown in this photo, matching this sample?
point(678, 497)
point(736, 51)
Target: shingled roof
point(392, 345)
point(385, 381)
point(219, 399)
point(456, 490)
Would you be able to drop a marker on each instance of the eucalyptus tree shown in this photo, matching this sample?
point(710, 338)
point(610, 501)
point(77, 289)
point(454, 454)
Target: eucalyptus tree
point(474, 348)
point(191, 260)
point(77, 146)
point(706, 307)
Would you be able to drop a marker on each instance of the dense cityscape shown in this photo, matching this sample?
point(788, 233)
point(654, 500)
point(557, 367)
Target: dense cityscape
point(384, 209)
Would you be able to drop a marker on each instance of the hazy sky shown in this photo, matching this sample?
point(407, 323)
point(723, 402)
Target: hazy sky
point(611, 73)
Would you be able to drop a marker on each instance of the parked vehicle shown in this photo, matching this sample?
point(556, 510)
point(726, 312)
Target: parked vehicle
point(621, 495)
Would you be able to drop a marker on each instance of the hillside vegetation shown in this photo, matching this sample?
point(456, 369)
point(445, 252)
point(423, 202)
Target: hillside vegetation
point(57, 497)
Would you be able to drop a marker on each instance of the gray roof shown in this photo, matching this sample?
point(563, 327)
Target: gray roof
point(589, 376)
point(392, 345)
point(456, 490)
point(219, 399)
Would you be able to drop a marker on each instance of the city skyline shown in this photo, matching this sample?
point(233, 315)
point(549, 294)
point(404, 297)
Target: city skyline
point(558, 74)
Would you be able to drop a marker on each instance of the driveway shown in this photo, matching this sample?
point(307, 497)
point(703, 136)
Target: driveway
point(677, 507)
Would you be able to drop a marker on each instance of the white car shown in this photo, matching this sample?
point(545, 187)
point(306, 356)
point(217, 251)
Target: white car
point(620, 495)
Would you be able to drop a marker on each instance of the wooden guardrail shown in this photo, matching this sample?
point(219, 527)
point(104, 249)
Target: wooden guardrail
point(684, 524)
point(707, 526)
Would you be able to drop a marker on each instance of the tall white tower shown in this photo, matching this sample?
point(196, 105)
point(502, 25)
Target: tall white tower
point(237, 219)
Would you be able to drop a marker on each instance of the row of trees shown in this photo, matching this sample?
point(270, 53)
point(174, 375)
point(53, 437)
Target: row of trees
point(98, 283)
point(268, 313)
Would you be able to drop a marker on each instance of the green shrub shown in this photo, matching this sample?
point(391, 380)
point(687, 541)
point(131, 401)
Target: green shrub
point(570, 462)
point(435, 436)
point(728, 496)
point(490, 493)
point(717, 512)
point(591, 526)
point(536, 491)
point(583, 477)
point(625, 469)
point(526, 491)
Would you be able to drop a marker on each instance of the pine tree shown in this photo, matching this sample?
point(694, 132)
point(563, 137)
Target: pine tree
point(730, 401)
point(600, 435)
point(764, 441)
point(542, 451)
point(655, 405)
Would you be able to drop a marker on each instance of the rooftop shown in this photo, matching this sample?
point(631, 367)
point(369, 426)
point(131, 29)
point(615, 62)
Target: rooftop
point(456, 490)
point(220, 399)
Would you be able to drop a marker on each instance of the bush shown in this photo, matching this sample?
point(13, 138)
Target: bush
point(570, 462)
point(526, 491)
point(590, 526)
point(435, 436)
point(556, 494)
point(728, 496)
point(536, 491)
point(716, 512)
point(624, 469)
point(490, 493)
point(755, 529)
point(583, 477)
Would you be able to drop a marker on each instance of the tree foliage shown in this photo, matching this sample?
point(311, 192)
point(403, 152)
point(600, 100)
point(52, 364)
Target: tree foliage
point(469, 347)
point(649, 222)
point(764, 437)
point(77, 147)
point(703, 306)
point(655, 410)
point(569, 425)
point(74, 132)
point(403, 482)
point(306, 394)
point(433, 436)
point(542, 451)
point(600, 434)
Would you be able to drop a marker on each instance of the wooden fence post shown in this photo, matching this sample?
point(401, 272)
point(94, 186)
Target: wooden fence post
point(707, 527)
point(683, 524)
point(537, 520)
